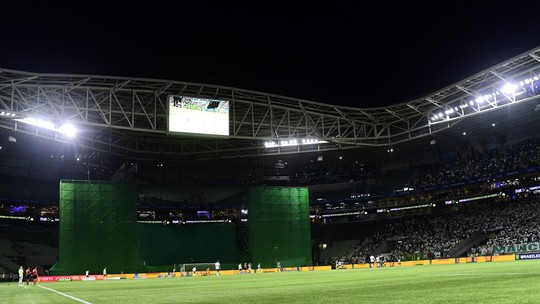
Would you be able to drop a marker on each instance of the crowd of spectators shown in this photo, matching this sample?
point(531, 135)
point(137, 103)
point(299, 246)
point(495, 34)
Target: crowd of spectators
point(478, 164)
point(520, 225)
point(434, 235)
point(431, 236)
point(422, 235)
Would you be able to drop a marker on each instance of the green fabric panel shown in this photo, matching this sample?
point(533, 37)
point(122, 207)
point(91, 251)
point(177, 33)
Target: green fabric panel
point(97, 228)
point(279, 227)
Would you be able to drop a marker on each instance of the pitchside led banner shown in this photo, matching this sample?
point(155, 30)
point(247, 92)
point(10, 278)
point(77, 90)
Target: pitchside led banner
point(198, 115)
point(528, 256)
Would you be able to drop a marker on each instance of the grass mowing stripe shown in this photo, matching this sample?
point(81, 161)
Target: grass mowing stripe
point(65, 295)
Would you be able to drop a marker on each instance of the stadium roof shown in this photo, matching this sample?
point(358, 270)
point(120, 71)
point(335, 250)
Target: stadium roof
point(129, 116)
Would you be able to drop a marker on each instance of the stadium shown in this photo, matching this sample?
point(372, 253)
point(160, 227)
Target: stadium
point(157, 180)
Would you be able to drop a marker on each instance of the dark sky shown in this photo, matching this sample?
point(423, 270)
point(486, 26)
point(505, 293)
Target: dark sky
point(337, 52)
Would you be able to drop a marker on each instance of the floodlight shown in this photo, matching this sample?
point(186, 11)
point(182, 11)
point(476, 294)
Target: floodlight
point(509, 88)
point(292, 142)
point(68, 130)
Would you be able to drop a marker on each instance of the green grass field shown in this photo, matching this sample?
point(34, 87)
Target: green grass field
point(502, 282)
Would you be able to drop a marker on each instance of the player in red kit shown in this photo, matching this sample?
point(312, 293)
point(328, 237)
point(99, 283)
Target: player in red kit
point(34, 275)
point(27, 274)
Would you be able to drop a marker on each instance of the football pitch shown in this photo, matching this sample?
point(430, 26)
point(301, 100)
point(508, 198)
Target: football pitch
point(500, 282)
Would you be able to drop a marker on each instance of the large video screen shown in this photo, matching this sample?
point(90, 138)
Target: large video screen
point(198, 115)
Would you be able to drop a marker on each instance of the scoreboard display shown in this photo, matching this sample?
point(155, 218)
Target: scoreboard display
point(198, 115)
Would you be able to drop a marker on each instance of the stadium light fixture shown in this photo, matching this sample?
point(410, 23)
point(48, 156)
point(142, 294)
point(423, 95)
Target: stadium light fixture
point(66, 129)
point(509, 88)
point(509, 92)
point(292, 142)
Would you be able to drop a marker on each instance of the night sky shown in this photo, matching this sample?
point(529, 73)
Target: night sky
point(336, 52)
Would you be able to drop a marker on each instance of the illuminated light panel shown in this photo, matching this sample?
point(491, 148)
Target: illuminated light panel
point(509, 88)
point(66, 129)
point(293, 142)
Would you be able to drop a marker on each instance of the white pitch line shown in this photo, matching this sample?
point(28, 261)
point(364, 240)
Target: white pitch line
point(66, 295)
point(471, 274)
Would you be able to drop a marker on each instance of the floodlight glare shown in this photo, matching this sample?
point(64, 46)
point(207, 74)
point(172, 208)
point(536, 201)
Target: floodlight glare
point(37, 122)
point(68, 130)
point(509, 88)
